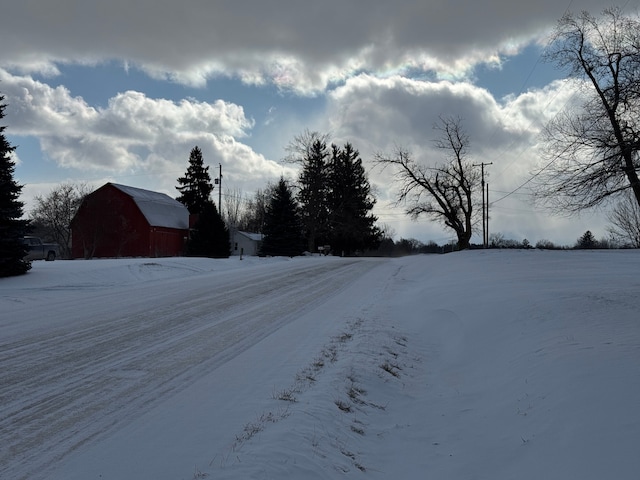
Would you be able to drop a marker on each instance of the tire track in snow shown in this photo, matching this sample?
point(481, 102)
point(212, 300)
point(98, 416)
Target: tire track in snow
point(67, 386)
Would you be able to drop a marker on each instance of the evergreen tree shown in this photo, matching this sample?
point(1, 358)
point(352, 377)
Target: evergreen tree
point(210, 236)
point(587, 240)
point(350, 202)
point(312, 195)
point(195, 187)
point(282, 229)
point(12, 227)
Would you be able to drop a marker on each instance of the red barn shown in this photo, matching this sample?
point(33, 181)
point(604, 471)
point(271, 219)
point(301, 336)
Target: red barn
point(121, 221)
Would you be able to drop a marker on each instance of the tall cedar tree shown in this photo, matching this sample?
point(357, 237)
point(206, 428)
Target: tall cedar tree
point(282, 229)
point(350, 203)
point(12, 227)
point(312, 195)
point(210, 236)
point(196, 186)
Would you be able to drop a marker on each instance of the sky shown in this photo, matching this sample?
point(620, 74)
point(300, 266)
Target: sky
point(122, 91)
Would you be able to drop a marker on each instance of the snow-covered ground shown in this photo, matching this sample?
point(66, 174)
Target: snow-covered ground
point(473, 365)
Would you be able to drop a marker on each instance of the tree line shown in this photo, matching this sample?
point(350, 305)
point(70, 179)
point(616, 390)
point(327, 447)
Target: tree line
point(327, 208)
point(333, 196)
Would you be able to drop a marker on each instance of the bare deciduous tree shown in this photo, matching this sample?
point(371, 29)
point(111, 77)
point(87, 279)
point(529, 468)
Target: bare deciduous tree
point(301, 147)
point(53, 213)
point(253, 214)
point(625, 221)
point(444, 192)
point(234, 203)
point(592, 149)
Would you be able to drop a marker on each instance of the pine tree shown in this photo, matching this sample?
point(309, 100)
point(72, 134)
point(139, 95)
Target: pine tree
point(12, 227)
point(587, 240)
point(312, 195)
point(282, 229)
point(350, 203)
point(196, 186)
point(210, 236)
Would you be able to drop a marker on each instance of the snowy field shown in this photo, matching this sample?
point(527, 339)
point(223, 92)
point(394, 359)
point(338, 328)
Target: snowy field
point(473, 365)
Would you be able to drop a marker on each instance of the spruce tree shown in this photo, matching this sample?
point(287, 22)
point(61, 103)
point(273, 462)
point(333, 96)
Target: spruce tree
point(210, 236)
point(282, 229)
point(312, 195)
point(350, 203)
point(587, 240)
point(12, 227)
point(195, 187)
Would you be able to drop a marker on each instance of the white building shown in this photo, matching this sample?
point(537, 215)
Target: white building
point(245, 243)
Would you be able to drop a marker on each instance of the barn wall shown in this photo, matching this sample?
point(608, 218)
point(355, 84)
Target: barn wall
point(109, 224)
point(166, 242)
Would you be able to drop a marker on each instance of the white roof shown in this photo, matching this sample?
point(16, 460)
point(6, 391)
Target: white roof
point(256, 237)
point(159, 209)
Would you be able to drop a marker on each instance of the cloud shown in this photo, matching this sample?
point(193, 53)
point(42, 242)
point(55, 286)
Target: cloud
point(134, 134)
point(378, 115)
point(396, 110)
point(301, 46)
point(15, 158)
point(384, 72)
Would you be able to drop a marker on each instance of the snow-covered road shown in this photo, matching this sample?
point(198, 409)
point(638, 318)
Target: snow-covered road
point(480, 364)
point(113, 351)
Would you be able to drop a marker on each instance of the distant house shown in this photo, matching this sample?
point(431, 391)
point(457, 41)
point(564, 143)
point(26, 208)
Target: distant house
point(122, 221)
point(245, 243)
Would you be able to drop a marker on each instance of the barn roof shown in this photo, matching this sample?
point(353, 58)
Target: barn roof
point(159, 209)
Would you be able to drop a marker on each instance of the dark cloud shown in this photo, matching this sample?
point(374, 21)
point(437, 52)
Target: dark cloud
point(302, 45)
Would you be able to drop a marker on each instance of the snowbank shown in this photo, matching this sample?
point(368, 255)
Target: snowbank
point(481, 364)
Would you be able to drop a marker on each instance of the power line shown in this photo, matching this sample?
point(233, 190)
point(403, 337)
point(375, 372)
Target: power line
point(556, 157)
point(531, 123)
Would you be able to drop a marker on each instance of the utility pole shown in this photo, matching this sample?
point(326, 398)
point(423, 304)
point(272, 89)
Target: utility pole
point(218, 182)
point(485, 206)
point(486, 240)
